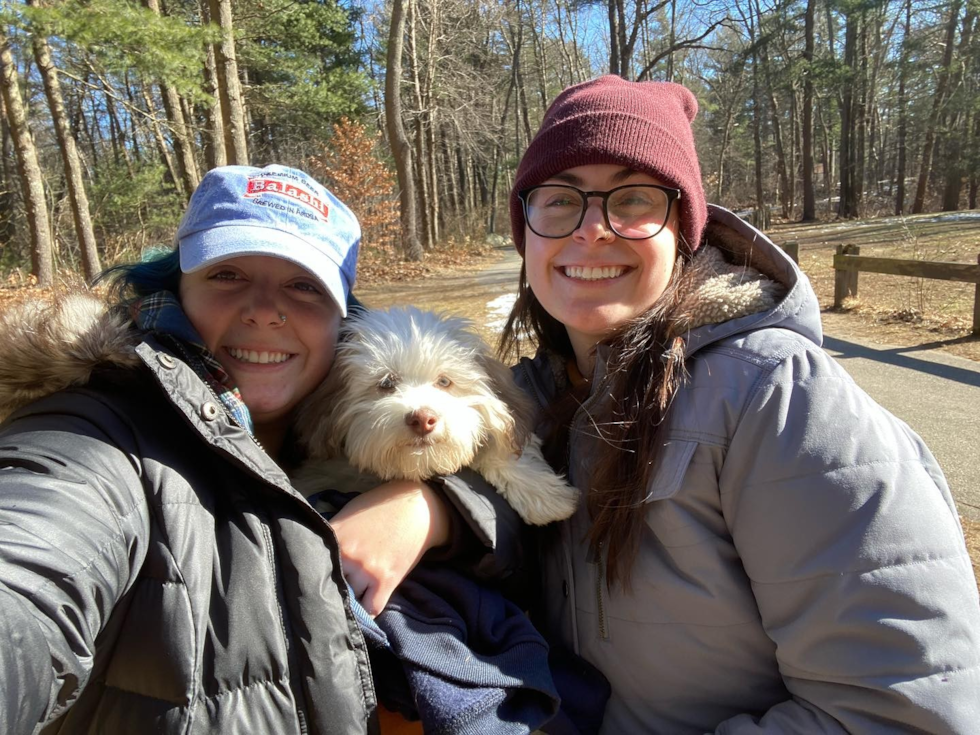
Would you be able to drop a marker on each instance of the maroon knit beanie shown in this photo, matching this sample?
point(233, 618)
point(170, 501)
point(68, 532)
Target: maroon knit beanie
point(643, 125)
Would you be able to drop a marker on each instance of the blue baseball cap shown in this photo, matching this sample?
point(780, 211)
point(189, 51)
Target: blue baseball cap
point(275, 211)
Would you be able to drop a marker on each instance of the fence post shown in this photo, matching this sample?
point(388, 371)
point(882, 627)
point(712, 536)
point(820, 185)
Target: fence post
point(792, 249)
point(976, 306)
point(852, 282)
point(845, 282)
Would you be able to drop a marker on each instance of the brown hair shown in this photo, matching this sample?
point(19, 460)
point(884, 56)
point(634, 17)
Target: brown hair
point(646, 368)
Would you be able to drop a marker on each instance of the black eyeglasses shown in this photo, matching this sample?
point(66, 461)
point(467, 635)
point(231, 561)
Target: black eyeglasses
point(634, 211)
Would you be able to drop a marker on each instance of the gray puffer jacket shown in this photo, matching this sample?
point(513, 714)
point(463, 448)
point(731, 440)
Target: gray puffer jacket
point(158, 573)
point(802, 568)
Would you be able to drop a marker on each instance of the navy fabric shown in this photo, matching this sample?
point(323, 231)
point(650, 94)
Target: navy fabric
point(462, 658)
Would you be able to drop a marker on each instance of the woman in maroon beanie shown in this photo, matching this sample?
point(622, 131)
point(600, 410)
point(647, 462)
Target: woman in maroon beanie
point(760, 546)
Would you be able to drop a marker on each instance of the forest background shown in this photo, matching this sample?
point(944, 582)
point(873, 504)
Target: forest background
point(415, 112)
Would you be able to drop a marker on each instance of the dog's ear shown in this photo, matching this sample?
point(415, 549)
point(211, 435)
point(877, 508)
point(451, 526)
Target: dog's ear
point(518, 424)
point(319, 416)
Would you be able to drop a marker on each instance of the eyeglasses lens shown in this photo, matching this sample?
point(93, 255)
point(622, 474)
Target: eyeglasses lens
point(631, 211)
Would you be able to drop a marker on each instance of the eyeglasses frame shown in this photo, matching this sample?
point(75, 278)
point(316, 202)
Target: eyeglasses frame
point(672, 193)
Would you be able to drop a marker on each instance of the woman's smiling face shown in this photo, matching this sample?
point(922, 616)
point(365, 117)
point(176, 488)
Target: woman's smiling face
point(236, 306)
point(594, 281)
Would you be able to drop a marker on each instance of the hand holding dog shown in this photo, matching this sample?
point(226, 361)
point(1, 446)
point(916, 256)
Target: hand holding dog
point(414, 520)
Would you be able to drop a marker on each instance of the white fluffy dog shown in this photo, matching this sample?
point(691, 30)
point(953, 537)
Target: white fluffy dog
point(413, 394)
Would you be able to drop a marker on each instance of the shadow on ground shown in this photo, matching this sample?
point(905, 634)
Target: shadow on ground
point(898, 356)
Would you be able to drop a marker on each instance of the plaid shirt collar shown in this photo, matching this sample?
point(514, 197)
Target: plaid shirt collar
point(162, 315)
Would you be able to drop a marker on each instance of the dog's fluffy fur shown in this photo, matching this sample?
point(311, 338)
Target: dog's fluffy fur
point(412, 395)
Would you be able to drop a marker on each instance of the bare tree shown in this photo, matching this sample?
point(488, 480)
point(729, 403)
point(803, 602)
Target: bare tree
point(400, 147)
point(809, 197)
point(182, 139)
point(28, 168)
point(74, 182)
point(903, 113)
point(850, 182)
point(942, 90)
point(233, 118)
point(957, 128)
point(215, 153)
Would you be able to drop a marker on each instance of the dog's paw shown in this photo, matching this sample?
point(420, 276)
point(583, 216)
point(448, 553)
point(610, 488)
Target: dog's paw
point(551, 499)
point(538, 494)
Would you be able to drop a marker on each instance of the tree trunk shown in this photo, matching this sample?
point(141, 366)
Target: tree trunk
point(826, 156)
point(179, 135)
point(161, 143)
point(903, 115)
point(614, 63)
point(215, 153)
point(422, 188)
point(233, 119)
point(848, 124)
point(400, 148)
point(8, 224)
point(29, 170)
point(69, 154)
point(809, 195)
point(958, 128)
point(925, 169)
point(760, 199)
point(974, 178)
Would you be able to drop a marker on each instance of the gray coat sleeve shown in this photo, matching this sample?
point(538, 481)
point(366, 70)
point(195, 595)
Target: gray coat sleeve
point(73, 530)
point(849, 535)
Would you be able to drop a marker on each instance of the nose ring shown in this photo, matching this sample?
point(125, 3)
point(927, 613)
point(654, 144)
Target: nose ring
point(282, 318)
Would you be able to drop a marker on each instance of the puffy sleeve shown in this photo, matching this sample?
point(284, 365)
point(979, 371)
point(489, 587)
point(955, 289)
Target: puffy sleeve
point(74, 524)
point(847, 530)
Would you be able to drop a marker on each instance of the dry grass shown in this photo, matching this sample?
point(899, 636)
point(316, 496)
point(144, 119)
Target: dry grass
point(896, 310)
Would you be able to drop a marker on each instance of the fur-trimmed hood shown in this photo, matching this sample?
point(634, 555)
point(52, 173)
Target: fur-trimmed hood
point(747, 283)
point(53, 343)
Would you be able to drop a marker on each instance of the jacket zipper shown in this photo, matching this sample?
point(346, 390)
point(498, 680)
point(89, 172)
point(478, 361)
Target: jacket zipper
point(298, 694)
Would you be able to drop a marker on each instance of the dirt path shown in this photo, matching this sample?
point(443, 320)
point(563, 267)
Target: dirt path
point(482, 293)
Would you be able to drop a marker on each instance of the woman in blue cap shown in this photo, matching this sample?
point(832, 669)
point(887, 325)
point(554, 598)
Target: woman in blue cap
point(158, 573)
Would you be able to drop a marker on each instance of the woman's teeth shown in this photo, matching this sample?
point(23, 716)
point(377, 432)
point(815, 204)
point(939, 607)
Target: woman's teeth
point(594, 274)
point(257, 357)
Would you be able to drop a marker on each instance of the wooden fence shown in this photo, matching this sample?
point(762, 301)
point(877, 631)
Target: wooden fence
point(848, 262)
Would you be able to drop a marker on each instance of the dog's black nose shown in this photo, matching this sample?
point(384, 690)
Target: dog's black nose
point(422, 422)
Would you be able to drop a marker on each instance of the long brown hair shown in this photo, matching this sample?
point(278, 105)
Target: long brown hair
point(645, 369)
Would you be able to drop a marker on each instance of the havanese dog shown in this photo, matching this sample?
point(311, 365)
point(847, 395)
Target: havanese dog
point(412, 395)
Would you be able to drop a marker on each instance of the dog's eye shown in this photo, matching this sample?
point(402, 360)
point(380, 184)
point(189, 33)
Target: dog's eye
point(387, 383)
point(443, 382)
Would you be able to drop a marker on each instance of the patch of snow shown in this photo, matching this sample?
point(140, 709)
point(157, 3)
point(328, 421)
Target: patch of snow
point(498, 310)
point(955, 217)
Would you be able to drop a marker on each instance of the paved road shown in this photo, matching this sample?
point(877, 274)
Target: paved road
point(938, 395)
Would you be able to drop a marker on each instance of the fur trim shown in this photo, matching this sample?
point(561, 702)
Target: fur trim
point(716, 291)
point(52, 344)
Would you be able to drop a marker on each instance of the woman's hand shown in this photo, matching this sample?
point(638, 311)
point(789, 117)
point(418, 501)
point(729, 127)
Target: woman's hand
point(384, 532)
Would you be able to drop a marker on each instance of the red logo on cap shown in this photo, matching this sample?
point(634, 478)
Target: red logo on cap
point(274, 186)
